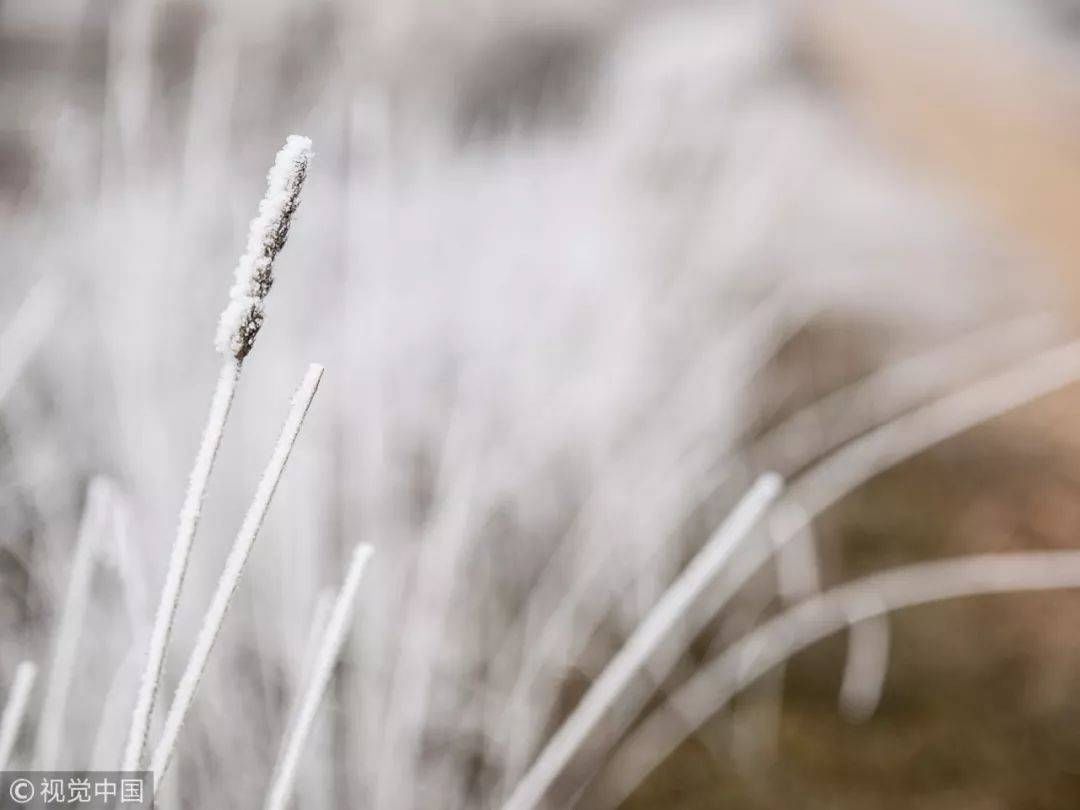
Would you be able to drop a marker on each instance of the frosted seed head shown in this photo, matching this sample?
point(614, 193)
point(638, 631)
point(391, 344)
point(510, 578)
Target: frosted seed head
point(254, 275)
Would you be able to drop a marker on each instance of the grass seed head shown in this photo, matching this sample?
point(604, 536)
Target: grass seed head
point(243, 317)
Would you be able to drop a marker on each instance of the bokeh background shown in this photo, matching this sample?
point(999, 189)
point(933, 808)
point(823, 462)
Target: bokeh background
point(578, 272)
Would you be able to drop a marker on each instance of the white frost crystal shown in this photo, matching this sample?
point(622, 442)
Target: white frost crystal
point(242, 318)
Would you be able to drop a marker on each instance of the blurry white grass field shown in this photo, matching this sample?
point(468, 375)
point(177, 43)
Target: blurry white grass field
point(550, 347)
point(760, 651)
point(239, 325)
point(809, 495)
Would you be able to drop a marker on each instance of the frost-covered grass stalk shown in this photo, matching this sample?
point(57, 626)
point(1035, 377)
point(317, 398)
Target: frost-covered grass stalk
point(643, 642)
point(178, 562)
point(849, 411)
point(775, 641)
point(855, 463)
point(865, 667)
point(319, 618)
point(234, 567)
point(852, 465)
point(65, 648)
point(27, 330)
point(333, 638)
point(240, 323)
point(15, 709)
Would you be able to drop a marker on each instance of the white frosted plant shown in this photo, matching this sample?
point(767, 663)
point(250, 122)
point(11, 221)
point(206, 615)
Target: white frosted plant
point(234, 567)
point(240, 323)
point(62, 672)
point(243, 317)
point(331, 641)
point(644, 642)
point(15, 709)
point(775, 641)
point(821, 486)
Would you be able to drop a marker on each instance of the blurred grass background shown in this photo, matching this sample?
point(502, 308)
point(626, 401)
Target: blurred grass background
point(979, 706)
point(547, 250)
